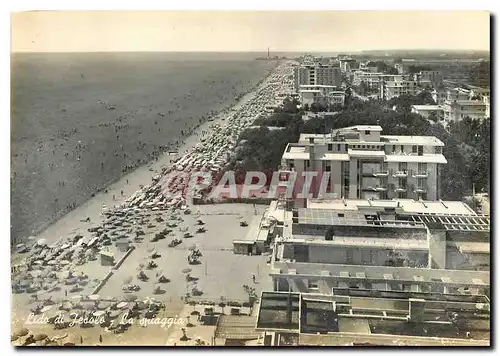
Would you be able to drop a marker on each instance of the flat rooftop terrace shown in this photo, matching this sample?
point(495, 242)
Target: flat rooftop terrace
point(361, 242)
point(379, 274)
point(349, 218)
point(403, 205)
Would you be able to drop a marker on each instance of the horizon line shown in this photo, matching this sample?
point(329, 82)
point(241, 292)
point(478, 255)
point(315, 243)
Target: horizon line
point(265, 51)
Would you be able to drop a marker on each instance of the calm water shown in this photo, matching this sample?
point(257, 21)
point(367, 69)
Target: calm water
point(79, 119)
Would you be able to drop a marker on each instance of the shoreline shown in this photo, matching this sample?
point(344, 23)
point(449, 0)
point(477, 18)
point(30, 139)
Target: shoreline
point(129, 183)
point(163, 160)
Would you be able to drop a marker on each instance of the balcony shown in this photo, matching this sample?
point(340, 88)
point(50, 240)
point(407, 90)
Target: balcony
point(400, 174)
point(400, 189)
point(420, 190)
point(423, 174)
point(373, 173)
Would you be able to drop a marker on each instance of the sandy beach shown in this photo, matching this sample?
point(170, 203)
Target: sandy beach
point(129, 183)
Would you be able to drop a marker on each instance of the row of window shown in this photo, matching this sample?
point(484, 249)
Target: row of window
point(415, 148)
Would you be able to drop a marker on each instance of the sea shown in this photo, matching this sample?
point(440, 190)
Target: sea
point(79, 121)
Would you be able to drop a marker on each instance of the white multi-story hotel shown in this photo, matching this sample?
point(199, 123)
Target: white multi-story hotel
point(317, 74)
point(372, 79)
point(363, 164)
point(461, 103)
point(321, 94)
point(459, 109)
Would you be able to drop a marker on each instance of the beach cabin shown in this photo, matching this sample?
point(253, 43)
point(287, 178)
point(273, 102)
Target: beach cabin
point(107, 258)
point(257, 239)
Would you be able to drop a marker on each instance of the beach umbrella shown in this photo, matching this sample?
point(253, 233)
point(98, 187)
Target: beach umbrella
point(186, 270)
point(77, 297)
point(122, 305)
point(192, 247)
point(42, 242)
point(31, 238)
point(64, 262)
point(94, 297)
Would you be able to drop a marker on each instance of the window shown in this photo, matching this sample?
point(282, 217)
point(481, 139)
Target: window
point(402, 148)
point(367, 132)
point(330, 147)
point(312, 284)
point(393, 148)
point(338, 147)
point(340, 215)
point(328, 168)
point(414, 149)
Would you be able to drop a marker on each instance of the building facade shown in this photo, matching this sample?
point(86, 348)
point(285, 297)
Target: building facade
point(392, 86)
point(363, 164)
point(317, 74)
point(459, 109)
point(371, 79)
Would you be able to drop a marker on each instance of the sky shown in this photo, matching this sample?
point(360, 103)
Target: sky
point(281, 31)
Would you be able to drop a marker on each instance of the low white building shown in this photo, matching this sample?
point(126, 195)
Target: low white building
point(336, 97)
point(459, 109)
point(321, 94)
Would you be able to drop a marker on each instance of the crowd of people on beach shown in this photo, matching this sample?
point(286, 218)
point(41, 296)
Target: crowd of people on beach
point(80, 152)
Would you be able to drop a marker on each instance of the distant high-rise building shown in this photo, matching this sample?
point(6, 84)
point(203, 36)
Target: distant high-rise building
point(317, 74)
